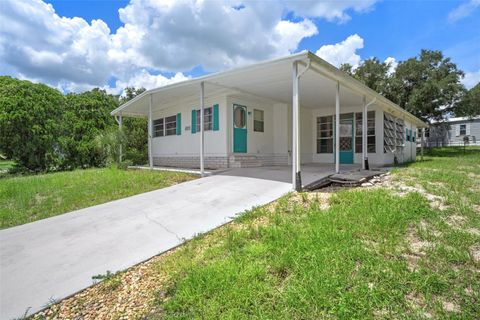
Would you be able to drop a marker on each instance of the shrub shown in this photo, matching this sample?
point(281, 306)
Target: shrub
point(30, 123)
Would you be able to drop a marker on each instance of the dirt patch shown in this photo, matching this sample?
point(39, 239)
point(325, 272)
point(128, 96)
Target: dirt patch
point(417, 245)
point(473, 175)
point(417, 302)
point(450, 307)
point(426, 227)
point(417, 248)
point(473, 231)
point(476, 208)
point(401, 189)
point(305, 199)
point(455, 221)
point(475, 252)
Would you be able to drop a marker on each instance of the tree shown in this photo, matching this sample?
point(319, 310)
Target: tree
point(470, 104)
point(86, 116)
point(136, 131)
point(347, 68)
point(428, 86)
point(30, 123)
point(374, 74)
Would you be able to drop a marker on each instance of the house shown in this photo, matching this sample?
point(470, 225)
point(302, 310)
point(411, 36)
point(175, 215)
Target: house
point(454, 132)
point(290, 111)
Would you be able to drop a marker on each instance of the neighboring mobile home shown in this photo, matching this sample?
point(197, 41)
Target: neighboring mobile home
point(454, 132)
point(289, 111)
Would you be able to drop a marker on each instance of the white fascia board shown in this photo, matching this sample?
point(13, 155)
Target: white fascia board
point(211, 77)
point(353, 84)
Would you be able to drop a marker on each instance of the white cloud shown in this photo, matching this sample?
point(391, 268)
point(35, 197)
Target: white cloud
point(330, 10)
point(471, 79)
point(392, 62)
point(183, 34)
point(342, 52)
point(160, 36)
point(463, 10)
point(149, 81)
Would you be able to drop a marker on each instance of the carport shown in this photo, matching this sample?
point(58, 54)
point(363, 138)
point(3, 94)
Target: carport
point(301, 81)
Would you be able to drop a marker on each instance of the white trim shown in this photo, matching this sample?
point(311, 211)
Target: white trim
point(295, 127)
point(150, 134)
point(364, 134)
point(307, 58)
point(202, 128)
point(337, 128)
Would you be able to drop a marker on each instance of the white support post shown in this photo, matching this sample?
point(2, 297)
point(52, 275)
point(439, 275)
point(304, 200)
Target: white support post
point(421, 143)
point(202, 125)
point(364, 134)
point(337, 128)
point(411, 143)
point(120, 120)
point(150, 134)
point(296, 175)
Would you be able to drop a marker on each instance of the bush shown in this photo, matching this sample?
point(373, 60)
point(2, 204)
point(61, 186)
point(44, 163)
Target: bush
point(30, 124)
point(108, 145)
point(87, 116)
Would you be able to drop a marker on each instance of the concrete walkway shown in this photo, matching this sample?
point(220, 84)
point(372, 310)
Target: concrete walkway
point(56, 257)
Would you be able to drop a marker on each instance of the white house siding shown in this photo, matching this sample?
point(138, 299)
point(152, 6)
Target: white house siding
point(184, 150)
point(269, 147)
point(472, 131)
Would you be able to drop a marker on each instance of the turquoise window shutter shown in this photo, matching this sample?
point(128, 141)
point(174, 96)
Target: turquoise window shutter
point(179, 124)
point(194, 121)
point(216, 125)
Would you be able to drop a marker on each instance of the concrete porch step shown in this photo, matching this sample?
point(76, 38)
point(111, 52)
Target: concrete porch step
point(244, 161)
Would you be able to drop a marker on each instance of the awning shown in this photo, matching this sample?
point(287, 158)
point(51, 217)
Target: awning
point(272, 80)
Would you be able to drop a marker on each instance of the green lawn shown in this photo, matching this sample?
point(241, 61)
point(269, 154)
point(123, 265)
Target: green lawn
point(407, 250)
point(6, 164)
point(25, 199)
point(372, 254)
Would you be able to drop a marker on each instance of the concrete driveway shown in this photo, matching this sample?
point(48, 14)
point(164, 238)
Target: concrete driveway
point(56, 257)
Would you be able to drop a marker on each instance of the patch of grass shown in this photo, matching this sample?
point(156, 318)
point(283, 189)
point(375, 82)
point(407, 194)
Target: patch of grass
point(110, 280)
point(6, 165)
point(349, 261)
point(25, 199)
point(370, 254)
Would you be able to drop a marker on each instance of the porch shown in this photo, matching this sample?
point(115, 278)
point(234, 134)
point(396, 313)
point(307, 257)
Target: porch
point(290, 94)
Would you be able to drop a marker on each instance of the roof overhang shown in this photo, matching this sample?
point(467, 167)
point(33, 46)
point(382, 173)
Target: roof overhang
point(272, 80)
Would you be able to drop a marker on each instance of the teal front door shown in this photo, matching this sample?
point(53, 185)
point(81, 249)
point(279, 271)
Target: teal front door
point(239, 128)
point(346, 140)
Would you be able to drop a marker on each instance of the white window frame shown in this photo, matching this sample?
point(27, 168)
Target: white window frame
point(371, 146)
point(157, 132)
point(328, 130)
point(207, 119)
point(262, 120)
point(169, 121)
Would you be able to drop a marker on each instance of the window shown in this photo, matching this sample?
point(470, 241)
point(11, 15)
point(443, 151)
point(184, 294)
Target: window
point(463, 129)
point(158, 128)
point(171, 126)
point(325, 134)
point(393, 133)
point(370, 132)
point(207, 119)
point(258, 120)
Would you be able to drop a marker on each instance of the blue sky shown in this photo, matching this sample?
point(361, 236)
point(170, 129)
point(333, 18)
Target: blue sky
point(150, 43)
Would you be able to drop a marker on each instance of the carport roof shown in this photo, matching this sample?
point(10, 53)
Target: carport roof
point(272, 80)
